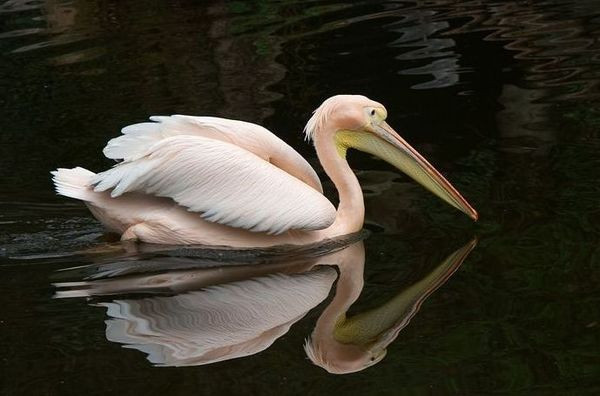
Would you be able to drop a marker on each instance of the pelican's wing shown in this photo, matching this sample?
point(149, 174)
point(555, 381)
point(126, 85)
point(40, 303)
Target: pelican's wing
point(138, 139)
point(226, 184)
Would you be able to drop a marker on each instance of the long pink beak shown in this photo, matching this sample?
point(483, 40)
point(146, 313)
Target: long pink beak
point(403, 156)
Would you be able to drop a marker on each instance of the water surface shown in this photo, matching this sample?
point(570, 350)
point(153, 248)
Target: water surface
point(502, 97)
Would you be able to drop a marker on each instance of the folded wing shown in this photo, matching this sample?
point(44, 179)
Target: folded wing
point(223, 182)
point(137, 140)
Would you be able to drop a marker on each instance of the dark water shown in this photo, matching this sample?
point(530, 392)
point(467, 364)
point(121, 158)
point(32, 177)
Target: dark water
point(503, 97)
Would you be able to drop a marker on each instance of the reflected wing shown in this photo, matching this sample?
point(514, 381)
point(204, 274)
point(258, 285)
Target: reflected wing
point(226, 184)
point(220, 322)
point(138, 139)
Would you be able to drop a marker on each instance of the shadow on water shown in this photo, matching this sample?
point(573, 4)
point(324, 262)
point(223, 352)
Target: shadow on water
point(195, 312)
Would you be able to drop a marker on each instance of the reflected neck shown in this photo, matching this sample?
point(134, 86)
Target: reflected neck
point(336, 356)
point(348, 288)
point(351, 209)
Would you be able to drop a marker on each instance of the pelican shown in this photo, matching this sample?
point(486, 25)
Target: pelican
point(214, 181)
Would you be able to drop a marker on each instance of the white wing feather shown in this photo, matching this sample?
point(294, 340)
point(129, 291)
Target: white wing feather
point(138, 139)
point(226, 184)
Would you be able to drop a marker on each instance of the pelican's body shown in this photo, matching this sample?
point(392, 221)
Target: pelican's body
point(213, 181)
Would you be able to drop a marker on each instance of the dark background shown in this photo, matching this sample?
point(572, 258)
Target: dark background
point(502, 97)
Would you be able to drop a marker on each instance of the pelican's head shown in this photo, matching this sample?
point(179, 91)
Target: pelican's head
point(355, 121)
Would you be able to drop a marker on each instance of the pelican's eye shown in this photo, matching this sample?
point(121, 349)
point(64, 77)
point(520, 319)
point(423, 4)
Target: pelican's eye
point(372, 114)
point(373, 117)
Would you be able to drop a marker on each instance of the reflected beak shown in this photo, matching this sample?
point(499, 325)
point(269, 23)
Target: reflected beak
point(386, 144)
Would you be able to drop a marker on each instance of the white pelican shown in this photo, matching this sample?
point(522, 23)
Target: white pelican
point(214, 181)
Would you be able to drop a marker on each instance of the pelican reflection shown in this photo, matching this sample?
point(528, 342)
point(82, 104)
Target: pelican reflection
point(194, 312)
point(342, 344)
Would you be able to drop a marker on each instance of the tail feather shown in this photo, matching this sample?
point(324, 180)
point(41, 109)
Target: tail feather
point(74, 183)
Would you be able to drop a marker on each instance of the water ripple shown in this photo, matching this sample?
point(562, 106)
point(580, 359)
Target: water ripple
point(557, 41)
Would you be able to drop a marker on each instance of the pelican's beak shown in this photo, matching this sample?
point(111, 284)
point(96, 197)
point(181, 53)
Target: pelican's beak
point(386, 144)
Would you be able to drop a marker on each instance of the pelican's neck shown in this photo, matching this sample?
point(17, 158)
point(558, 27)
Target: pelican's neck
point(351, 210)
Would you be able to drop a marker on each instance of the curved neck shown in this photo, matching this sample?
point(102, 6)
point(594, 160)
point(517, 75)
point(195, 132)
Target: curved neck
point(351, 209)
